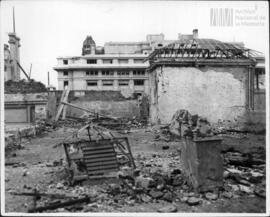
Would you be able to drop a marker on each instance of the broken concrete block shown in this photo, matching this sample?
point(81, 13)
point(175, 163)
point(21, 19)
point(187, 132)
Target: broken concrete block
point(143, 182)
point(168, 196)
point(145, 198)
point(167, 209)
point(155, 194)
point(227, 194)
point(211, 196)
point(246, 189)
point(192, 201)
point(177, 180)
point(59, 185)
point(260, 191)
point(127, 171)
point(203, 163)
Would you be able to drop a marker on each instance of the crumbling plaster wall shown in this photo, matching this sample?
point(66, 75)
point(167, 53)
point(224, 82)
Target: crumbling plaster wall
point(217, 93)
point(126, 109)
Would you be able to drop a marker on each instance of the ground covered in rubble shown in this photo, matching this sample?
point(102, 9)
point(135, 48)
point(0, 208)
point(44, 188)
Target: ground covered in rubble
point(40, 164)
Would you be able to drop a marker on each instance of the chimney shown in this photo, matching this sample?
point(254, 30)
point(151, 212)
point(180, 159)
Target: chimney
point(195, 33)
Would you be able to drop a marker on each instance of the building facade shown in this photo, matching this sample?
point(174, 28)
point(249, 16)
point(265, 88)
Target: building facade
point(117, 66)
point(214, 79)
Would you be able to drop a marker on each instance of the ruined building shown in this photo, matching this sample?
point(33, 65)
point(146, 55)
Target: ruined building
point(220, 81)
point(117, 66)
point(12, 56)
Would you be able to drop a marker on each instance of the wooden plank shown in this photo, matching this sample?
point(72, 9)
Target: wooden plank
point(98, 152)
point(99, 156)
point(97, 147)
point(65, 107)
point(101, 163)
point(103, 171)
point(101, 167)
point(64, 112)
point(91, 160)
point(60, 106)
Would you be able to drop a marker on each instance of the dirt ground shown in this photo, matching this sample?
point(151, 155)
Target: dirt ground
point(38, 167)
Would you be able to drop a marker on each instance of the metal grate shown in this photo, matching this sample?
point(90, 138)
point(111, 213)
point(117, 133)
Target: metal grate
point(99, 157)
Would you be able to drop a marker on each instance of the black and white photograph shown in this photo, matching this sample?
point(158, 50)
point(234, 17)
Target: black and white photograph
point(134, 108)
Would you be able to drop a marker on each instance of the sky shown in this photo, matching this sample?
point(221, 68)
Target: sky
point(49, 29)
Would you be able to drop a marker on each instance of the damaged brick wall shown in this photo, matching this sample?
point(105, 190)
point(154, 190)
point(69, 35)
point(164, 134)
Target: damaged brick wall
point(217, 93)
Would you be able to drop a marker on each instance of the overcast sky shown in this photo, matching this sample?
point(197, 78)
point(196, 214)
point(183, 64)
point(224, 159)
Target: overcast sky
point(49, 29)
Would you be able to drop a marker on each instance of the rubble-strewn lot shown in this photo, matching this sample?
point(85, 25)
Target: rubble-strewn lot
point(158, 187)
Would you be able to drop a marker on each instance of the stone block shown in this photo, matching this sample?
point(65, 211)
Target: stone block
point(203, 163)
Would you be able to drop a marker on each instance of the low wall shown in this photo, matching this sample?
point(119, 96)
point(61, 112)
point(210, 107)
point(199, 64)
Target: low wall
point(126, 109)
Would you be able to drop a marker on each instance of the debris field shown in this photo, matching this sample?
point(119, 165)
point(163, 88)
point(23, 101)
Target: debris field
point(38, 177)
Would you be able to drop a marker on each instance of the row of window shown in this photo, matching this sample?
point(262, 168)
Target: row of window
point(108, 61)
point(137, 82)
point(110, 73)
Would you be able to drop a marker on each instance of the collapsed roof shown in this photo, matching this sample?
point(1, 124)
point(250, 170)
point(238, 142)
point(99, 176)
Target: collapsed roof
point(200, 48)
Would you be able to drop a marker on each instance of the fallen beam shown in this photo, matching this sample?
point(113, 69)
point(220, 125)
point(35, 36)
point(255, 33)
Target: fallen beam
point(59, 205)
point(89, 111)
point(40, 194)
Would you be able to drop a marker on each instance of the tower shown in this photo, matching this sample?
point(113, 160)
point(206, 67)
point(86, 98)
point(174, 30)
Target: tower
point(89, 46)
point(14, 45)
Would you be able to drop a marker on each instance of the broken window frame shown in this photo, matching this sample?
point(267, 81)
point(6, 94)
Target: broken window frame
point(92, 73)
point(138, 82)
point(65, 84)
point(123, 82)
point(65, 73)
point(139, 72)
point(91, 61)
point(123, 73)
point(92, 83)
point(107, 83)
point(107, 73)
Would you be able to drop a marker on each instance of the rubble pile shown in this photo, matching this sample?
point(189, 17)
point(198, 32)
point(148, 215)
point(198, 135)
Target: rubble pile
point(246, 172)
point(24, 86)
point(120, 124)
point(184, 124)
point(156, 179)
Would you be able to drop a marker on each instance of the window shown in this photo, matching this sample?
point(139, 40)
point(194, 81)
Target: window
point(123, 73)
point(65, 62)
point(138, 82)
point(138, 60)
point(107, 82)
point(91, 61)
point(65, 84)
point(123, 82)
point(139, 72)
point(123, 61)
point(259, 80)
point(107, 73)
point(65, 73)
point(5, 68)
point(92, 83)
point(92, 73)
point(107, 61)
